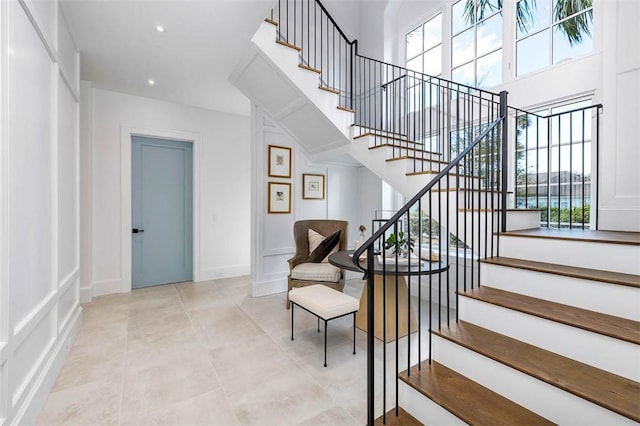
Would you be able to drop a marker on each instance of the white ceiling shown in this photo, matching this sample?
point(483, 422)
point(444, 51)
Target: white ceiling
point(190, 62)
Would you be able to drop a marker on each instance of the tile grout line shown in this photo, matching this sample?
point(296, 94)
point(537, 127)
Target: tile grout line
point(206, 352)
point(124, 363)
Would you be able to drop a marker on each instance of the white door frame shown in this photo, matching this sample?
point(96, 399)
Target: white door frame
point(125, 190)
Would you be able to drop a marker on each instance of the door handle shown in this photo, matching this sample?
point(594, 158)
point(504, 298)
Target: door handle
point(136, 230)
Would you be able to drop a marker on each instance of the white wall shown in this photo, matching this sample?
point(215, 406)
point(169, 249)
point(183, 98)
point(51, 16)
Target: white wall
point(223, 161)
point(351, 194)
point(39, 279)
point(371, 32)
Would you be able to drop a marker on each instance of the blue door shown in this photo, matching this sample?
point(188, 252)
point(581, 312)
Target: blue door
point(161, 204)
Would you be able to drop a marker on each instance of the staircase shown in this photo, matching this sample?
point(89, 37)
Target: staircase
point(559, 341)
point(314, 115)
point(548, 321)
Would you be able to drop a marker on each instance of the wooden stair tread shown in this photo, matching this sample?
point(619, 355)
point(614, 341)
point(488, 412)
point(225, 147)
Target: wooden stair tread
point(387, 136)
point(402, 419)
point(329, 89)
point(466, 399)
point(611, 237)
point(613, 392)
point(291, 46)
point(412, 157)
point(381, 132)
point(492, 210)
point(345, 109)
point(308, 68)
point(395, 145)
point(596, 322)
point(435, 172)
point(271, 21)
point(619, 278)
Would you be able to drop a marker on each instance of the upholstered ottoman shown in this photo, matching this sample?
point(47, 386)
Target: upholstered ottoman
point(326, 304)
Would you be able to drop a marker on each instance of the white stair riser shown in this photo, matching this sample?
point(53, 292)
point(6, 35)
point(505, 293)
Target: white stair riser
point(423, 409)
point(603, 352)
point(540, 397)
point(522, 219)
point(606, 257)
point(618, 300)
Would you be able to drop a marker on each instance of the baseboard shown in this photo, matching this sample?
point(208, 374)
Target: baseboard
point(86, 294)
point(267, 288)
point(618, 220)
point(102, 288)
point(37, 396)
point(224, 272)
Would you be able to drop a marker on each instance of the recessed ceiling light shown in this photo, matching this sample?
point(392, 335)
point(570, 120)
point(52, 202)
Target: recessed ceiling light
point(160, 28)
point(151, 82)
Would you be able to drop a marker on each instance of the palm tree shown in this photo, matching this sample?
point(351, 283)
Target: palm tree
point(575, 28)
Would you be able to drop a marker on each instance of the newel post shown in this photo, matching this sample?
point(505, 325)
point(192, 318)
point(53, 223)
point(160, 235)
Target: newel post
point(505, 159)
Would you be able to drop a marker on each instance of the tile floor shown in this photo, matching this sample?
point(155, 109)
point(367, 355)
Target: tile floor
point(209, 354)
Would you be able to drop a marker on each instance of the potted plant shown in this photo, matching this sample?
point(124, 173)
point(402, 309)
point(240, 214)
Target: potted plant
point(404, 245)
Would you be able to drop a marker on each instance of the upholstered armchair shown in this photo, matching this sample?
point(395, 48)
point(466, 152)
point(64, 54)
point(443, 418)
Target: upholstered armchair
point(303, 272)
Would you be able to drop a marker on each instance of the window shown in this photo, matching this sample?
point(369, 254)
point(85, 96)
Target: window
point(476, 42)
point(424, 47)
point(551, 31)
point(424, 55)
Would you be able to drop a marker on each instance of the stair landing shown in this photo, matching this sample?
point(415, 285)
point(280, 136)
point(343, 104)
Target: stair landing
point(613, 237)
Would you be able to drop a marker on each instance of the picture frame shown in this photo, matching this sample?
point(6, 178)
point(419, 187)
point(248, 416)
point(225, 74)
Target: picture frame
point(312, 187)
point(279, 198)
point(279, 161)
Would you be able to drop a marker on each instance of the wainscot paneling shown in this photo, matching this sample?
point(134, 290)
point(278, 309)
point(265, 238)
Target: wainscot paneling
point(31, 91)
point(28, 357)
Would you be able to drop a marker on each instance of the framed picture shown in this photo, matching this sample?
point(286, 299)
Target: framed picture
point(279, 161)
point(279, 197)
point(312, 187)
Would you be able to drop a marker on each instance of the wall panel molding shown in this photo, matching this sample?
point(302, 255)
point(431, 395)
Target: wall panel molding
point(48, 44)
point(39, 323)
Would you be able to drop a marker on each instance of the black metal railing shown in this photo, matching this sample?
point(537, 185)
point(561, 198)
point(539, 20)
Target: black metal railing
point(307, 26)
point(554, 171)
point(426, 120)
point(438, 238)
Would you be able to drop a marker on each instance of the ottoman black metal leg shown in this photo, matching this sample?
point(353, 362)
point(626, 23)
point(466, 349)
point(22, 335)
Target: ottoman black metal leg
point(292, 305)
point(325, 343)
point(354, 333)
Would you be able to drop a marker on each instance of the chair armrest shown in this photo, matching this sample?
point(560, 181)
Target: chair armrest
point(296, 260)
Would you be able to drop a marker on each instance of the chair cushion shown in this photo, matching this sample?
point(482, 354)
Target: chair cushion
point(325, 248)
point(323, 301)
point(325, 272)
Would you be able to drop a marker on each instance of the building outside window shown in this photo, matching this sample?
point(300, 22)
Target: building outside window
point(476, 42)
point(551, 31)
point(553, 162)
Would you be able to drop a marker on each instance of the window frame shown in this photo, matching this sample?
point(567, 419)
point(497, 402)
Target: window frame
point(422, 23)
point(551, 28)
point(474, 28)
